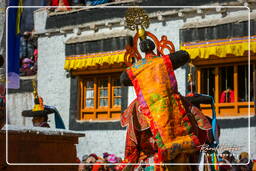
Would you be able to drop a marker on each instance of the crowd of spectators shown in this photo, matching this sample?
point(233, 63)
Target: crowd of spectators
point(108, 162)
point(228, 162)
point(97, 163)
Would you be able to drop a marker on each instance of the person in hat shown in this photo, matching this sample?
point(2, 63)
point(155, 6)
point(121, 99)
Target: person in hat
point(40, 112)
point(40, 116)
point(40, 121)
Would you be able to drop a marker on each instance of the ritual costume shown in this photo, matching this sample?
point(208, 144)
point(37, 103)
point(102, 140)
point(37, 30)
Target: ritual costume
point(212, 136)
point(140, 145)
point(160, 102)
point(137, 122)
point(173, 125)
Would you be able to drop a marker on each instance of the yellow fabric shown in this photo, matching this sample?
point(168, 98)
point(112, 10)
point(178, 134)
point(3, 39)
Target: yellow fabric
point(76, 62)
point(18, 17)
point(220, 48)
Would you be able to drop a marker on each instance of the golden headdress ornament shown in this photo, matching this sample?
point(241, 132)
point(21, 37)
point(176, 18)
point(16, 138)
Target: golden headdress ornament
point(137, 19)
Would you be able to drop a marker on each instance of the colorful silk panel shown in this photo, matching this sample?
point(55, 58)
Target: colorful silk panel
point(140, 144)
point(156, 88)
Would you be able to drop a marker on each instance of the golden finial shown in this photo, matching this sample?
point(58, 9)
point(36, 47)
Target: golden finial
point(35, 93)
point(38, 106)
point(190, 74)
point(136, 18)
point(189, 77)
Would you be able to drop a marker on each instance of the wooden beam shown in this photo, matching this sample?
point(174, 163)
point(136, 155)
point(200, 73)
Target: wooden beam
point(216, 87)
point(89, 72)
point(95, 96)
point(109, 96)
point(216, 60)
point(199, 81)
point(236, 87)
point(80, 99)
point(254, 86)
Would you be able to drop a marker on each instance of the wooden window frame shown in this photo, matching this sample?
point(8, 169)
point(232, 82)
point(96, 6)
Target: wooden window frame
point(235, 108)
point(97, 112)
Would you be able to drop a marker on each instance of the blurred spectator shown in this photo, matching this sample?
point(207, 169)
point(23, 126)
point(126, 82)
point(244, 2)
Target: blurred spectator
point(99, 163)
point(225, 161)
point(247, 167)
point(244, 158)
point(62, 5)
point(83, 167)
point(27, 68)
point(243, 155)
point(105, 155)
point(92, 158)
point(84, 158)
point(229, 157)
point(227, 96)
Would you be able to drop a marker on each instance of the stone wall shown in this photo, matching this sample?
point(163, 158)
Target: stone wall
point(16, 103)
point(239, 137)
point(53, 84)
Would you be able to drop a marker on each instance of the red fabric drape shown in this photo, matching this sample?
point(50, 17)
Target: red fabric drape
point(56, 2)
point(227, 97)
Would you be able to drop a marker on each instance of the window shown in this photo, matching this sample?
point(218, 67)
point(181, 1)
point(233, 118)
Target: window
point(243, 83)
point(116, 89)
point(228, 84)
point(100, 97)
point(207, 84)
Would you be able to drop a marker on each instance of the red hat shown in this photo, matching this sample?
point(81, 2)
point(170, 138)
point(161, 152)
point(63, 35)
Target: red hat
point(94, 155)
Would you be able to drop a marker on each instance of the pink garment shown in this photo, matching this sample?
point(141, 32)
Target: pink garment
point(112, 158)
point(227, 96)
point(35, 55)
point(26, 63)
point(44, 124)
point(56, 2)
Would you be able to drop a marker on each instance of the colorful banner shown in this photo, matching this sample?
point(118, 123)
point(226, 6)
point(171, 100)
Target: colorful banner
point(13, 43)
point(220, 48)
point(78, 62)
